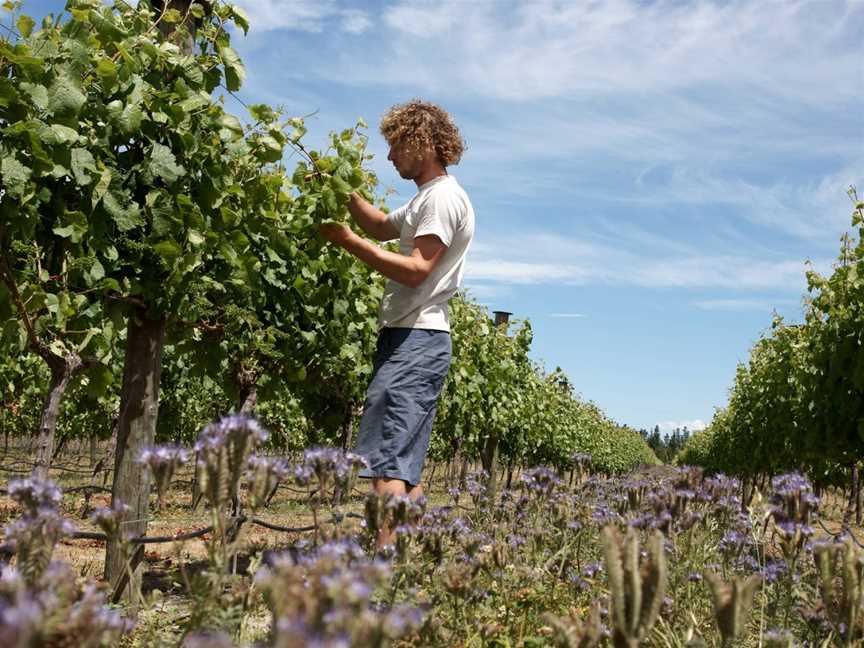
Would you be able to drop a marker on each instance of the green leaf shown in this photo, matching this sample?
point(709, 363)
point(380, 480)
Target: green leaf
point(231, 123)
point(196, 10)
point(81, 15)
point(195, 237)
point(9, 92)
point(25, 25)
point(193, 103)
point(164, 165)
point(240, 18)
point(106, 68)
point(100, 379)
point(96, 270)
point(168, 249)
point(14, 176)
point(38, 94)
point(109, 283)
point(129, 120)
point(162, 212)
point(65, 99)
point(262, 113)
point(101, 187)
point(60, 134)
point(331, 205)
point(82, 163)
point(235, 72)
point(172, 16)
point(76, 226)
point(341, 187)
point(269, 149)
point(52, 303)
point(114, 107)
point(192, 71)
point(126, 218)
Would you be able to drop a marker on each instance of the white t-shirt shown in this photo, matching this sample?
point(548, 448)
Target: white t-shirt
point(440, 207)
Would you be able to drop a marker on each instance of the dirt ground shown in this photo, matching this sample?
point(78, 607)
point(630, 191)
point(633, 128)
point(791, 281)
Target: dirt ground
point(72, 470)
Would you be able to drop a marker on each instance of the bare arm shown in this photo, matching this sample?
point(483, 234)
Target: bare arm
point(410, 270)
point(373, 221)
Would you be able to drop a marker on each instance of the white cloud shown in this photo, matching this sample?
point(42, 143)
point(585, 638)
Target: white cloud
point(489, 291)
point(355, 21)
point(518, 272)
point(421, 21)
point(695, 272)
point(816, 208)
point(695, 425)
point(720, 271)
point(539, 258)
point(303, 15)
point(734, 305)
point(548, 48)
point(606, 54)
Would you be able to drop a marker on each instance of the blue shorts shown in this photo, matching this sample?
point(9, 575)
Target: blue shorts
point(409, 369)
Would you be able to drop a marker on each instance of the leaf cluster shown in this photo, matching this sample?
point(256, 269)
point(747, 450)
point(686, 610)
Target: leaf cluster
point(797, 402)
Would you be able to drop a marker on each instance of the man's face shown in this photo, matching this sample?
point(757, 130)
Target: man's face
point(407, 163)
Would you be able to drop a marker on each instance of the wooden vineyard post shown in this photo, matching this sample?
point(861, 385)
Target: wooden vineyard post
point(136, 429)
point(490, 447)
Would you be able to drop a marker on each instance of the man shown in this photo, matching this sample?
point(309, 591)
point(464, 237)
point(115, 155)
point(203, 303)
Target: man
point(435, 229)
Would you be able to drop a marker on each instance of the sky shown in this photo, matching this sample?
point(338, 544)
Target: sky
point(650, 178)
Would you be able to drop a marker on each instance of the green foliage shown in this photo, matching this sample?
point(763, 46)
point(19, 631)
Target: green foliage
point(666, 447)
point(128, 187)
point(494, 388)
point(22, 380)
point(127, 184)
point(698, 451)
point(798, 403)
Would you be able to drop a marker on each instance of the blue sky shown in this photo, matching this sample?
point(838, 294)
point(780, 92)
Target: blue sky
point(649, 177)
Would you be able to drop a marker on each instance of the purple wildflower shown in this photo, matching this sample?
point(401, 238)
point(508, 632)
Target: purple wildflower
point(228, 428)
point(34, 535)
point(162, 461)
point(222, 450)
point(35, 493)
point(592, 569)
point(330, 465)
point(110, 518)
point(540, 480)
point(263, 475)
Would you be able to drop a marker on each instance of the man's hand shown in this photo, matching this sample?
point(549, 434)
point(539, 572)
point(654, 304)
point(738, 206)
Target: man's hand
point(371, 220)
point(335, 233)
point(409, 270)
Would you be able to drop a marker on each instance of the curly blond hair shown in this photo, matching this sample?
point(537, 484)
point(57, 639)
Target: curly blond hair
point(420, 125)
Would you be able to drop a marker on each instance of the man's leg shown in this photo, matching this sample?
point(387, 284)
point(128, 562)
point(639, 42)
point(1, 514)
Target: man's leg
point(415, 492)
point(387, 486)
